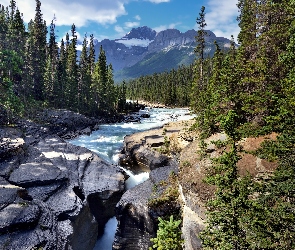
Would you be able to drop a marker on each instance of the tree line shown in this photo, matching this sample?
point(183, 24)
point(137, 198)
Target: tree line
point(171, 88)
point(36, 72)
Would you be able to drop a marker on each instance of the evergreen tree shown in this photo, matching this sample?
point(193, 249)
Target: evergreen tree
point(37, 53)
point(100, 82)
point(3, 27)
point(51, 85)
point(84, 78)
point(121, 97)
point(224, 229)
point(61, 77)
point(201, 43)
point(72, 91)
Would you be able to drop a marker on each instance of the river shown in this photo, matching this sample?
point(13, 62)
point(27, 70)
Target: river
point(107, 142)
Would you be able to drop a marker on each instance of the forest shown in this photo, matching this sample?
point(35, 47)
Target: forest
point(171, 88)
point(246, 91)
point(36, 71)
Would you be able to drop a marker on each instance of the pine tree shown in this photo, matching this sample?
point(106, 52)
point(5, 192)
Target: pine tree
point(224, 229)
point(100, 82)
point(201, 43)
point(121, 97)
point(51, 85)
point(37, 53)
point(72, 91)
point(3, 27)
point(61, 77)
point(84, 78)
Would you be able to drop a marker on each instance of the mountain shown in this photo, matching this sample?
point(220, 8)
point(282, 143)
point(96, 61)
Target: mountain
point(143, 51)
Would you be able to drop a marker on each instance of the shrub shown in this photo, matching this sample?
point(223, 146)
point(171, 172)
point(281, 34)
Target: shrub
point(168, 235)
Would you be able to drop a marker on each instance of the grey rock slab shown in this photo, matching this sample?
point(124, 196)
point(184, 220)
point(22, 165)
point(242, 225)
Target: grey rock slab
point(65, 203)
point(7, 196)
point(36, 173)
point(18, 216)
point(100, 176)
point(42, 193)
point(29, 239)
point(135, 225)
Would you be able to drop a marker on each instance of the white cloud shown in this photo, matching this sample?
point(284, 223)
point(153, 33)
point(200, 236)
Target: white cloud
point(119, 29)
point(137, 17)
point(221, 18)
point(131, 24)
point(159, 1)
point(135, 42)
point(79, 12)
point(164, 27)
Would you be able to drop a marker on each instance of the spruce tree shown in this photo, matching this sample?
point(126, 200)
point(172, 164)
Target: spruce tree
point(61, 77)
point(201, 43)
point(51, 85)
point(38, 53)
point(72, 90)
point(84, 78)
point(224, 228)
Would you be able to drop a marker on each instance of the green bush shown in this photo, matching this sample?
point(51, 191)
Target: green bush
point(168, 235)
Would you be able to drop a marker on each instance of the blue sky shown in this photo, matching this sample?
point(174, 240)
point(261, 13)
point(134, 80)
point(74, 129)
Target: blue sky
point(114, 18)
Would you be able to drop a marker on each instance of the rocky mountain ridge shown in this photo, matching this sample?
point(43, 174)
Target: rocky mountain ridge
point(143, 44)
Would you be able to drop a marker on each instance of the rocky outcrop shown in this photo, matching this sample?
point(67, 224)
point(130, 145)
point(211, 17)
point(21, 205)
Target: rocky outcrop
point(137, 150)
point(137, 219)
point(53, 195)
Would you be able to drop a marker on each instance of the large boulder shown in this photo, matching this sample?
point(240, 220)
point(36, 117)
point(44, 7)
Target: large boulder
point(138, 217)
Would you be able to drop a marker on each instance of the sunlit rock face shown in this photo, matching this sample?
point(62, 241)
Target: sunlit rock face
point(53, 194)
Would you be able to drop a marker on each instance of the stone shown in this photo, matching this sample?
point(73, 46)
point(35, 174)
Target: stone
point(135, 225)
point(34, 173)
point(53, 194)
point(18, 216)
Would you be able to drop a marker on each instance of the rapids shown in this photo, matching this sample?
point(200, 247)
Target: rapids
point(107, 142)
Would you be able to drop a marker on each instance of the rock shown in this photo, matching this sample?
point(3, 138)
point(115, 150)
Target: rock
point(138, 152)
point(8, 193)
point(3, 115)
point(81, 232)
point(135, 226)
point(42, 193)
point(38, 173)
point(137, 221)
point(54, 195)
point(29, 239)
point(145, 115)
point(17, 216)
point(192, 225)
point(103, 186)
point(11, 142)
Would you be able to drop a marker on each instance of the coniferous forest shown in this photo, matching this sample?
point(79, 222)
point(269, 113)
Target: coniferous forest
point(36, 72)
point(247, 91)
